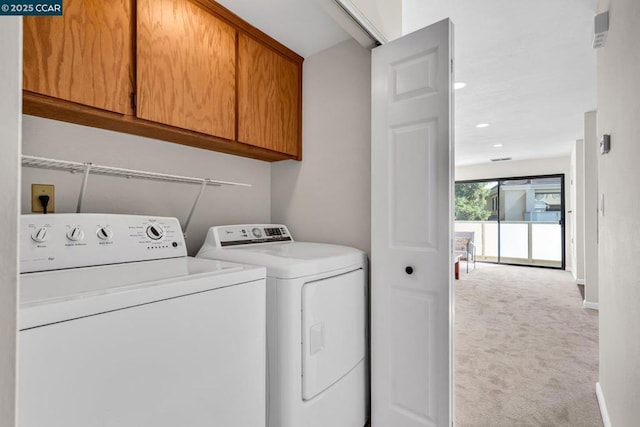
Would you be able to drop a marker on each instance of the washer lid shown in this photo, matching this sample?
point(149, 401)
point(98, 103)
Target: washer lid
point(56, 296)
point(289, 260)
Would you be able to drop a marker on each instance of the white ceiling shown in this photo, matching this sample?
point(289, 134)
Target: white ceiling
point(529, 66)
point(530, 72)
point(301, 25)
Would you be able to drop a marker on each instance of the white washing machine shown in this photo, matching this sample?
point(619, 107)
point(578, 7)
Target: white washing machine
point(118, 327)
point(316, 323)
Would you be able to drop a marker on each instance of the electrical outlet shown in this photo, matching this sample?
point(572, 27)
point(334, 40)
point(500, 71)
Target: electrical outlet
point(38, 190)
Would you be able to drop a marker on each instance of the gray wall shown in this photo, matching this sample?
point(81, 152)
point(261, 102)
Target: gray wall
point(554, 165)
point(327, 196)
point(619, 250)
point(591, 154)
point(219, 205)
point(10, 108)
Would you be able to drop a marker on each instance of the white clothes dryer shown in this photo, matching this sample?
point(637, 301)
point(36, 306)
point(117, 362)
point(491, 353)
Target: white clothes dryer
point(317, 311)
point(118, 327)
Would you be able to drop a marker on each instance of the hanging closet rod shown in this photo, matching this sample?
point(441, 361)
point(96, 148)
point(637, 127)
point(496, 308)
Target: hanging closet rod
point(77, 167)
point(89, 168)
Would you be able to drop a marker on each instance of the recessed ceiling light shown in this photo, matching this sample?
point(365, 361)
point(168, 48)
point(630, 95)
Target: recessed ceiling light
point(482, 125)
point(497, 145)
point(459, 85)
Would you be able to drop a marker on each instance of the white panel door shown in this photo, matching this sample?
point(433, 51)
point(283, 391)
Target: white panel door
point(412, 221)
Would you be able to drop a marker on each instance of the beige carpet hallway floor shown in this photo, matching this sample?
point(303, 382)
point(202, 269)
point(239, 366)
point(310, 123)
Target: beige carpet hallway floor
point(526, 350)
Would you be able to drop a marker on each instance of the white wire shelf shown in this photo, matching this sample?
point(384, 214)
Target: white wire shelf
point(89, 168)
point(77, 167)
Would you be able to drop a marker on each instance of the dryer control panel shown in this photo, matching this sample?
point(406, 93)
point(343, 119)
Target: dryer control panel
point(249, 234)
point(60, 241)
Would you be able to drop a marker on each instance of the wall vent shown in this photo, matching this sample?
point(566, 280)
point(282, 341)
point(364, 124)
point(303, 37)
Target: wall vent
point(501, 159)
point(600, 29)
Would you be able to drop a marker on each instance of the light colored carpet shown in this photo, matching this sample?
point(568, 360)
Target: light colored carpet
point(526, 350)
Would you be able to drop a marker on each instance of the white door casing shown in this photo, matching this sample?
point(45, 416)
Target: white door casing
point(412, 222)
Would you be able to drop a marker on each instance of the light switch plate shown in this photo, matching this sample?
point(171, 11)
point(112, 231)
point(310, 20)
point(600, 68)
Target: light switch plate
point(605, 144)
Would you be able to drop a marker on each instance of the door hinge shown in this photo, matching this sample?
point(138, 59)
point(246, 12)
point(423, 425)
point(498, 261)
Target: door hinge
point(132, 97)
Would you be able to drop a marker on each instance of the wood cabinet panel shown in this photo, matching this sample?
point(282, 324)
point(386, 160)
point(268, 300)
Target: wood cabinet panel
point(269, 98)
point(85, 56)
point(66, 111)
point(186, 67)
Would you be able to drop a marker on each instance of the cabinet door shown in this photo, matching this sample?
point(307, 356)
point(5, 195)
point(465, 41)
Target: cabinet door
point(269, 98)
point(186, 67)
point(84, 56)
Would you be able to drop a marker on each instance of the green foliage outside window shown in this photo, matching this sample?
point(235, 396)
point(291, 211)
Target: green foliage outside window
point(471, 201)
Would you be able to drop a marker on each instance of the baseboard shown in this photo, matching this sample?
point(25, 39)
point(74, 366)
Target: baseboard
point(579, 281)
point(590, 305)
point(603, 406)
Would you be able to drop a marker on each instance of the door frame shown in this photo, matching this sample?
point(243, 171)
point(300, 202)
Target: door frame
point(563, 221)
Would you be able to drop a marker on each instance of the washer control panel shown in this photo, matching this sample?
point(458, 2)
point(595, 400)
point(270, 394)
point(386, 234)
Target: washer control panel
point(249, 234)
point(59, 241)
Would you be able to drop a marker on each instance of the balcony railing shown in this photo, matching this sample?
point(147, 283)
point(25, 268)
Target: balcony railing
point(521, 242)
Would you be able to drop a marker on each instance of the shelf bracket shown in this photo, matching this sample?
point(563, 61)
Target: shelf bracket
point(195, 204)
point(83, 189)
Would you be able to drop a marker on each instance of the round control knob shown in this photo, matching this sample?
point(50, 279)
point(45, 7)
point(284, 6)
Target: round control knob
point(155, 232)
point(257, 233)
point(41, 235)
point(104, 233)
point(408, 269)
point(75, 234)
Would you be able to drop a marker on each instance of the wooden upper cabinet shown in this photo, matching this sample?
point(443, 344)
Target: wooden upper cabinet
point(269, 98)
point(186, 67)
point(84, 56)
point(199, 75)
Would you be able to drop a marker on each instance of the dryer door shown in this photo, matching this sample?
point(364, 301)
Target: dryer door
point(333, 330)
